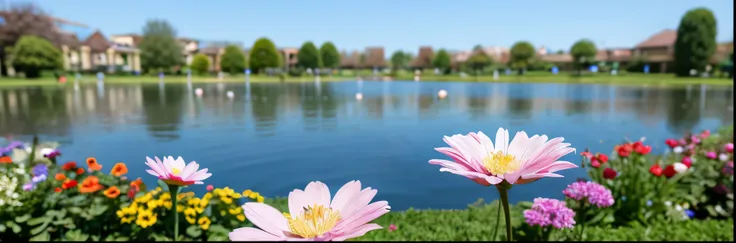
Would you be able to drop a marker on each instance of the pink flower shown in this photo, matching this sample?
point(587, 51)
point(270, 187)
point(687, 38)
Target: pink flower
point(695, 139)
point(545, 212)
point(687, 161)
point(313, 216)
point(711, 155)
point(392, 227)
point(728, 147)
point(595, 193)
point(176, 172)
point(210, 187)
point(522, 160)
point(705, 134)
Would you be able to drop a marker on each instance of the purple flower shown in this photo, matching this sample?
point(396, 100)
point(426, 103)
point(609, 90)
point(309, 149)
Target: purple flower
point(53, 154)
point(40, 169)
point(690, 213)
point(38, 178)
point(28, 186)
point(711, 155)
point(545, 212)
point(596, 194)
point(9, 148)
point(728, 168)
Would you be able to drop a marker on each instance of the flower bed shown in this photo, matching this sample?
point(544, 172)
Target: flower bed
point(685, 194)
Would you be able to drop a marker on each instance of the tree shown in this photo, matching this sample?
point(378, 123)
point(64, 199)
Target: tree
point(309, 56)
point(32, 54)
point(479, 61)
point(696, 41)
point(583, 52)
point(22, 20)
point(264, 55)
point(442, 60)
point(159, 49)
point(330, 55)
point(478, 47)
point(200, 64)
point(233, 60)
point(521, 54)
point(398, 60)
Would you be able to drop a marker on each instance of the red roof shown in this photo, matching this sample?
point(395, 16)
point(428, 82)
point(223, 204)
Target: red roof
point(661, 39)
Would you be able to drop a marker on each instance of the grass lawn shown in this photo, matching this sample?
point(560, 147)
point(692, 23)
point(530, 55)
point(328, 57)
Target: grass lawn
point(623, 79)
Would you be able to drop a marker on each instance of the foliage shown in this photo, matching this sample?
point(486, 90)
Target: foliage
point(330, 55)
point(637, 64)
point(478, 61)
point(24, 19)
point(159, 48)
point(264, 55)
point(442, 60)
point(521, 54)
point(32, 54)
point(398, 60)
point(696, 41)
point(200, 64)
point(309, 56)
point(233, 60)
point(583, 52)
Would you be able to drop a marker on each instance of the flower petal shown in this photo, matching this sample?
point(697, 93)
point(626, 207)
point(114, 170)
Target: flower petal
point(252, 234)
point(492, 180)
point(318, 193)
point(266, 217)
point(449, 164)
point(357, 232)
point(345, 196)
point(365, 215)
point(502, 140)
point(297, 201)
point(363, 199)
point(155, 166)
point(189, 170)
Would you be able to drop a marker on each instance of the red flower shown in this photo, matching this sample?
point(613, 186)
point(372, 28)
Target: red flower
point(672, 142)
point(609, 173)
point(624, 150)
point(669, 171)
point(134, 188)
point(80, 171)
point(587, 155)
point(69, 184)
point(656, 170)
point(602, 158)
point(595, 163)
point(57, 190)
point(643, 150)
point(69, 165)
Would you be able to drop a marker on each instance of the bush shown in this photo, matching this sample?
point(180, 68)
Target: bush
point(200, 64)
point(233, 60)
point(696, 41)
point(583, 53)
point(264, 55)
point(31, 55)
point(442, 61)
point(521, 54)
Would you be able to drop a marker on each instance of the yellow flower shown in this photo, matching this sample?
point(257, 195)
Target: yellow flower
point(145, 219)
point(222, 213)
point(120, 213)
point(226, 198)
point(199, 209)
point(259, 199)
point(254, 195)
point(235, 211)
point(217, 191)
point(247, 193)
point(127, 220)
point(180, 208)
point(152, 204)
point(204, 222)
point(144, 199)
point(203, 203)
point(241, 217)
point(193, 201)
point(190, 215)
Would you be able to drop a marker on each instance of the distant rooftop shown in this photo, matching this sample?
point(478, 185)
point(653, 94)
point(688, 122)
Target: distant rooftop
point(663, 38)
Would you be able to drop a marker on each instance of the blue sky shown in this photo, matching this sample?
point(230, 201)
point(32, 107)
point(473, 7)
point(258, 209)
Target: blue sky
point(398, 24)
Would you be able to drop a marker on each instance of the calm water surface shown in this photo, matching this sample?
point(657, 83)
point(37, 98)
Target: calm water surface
point(276, 137)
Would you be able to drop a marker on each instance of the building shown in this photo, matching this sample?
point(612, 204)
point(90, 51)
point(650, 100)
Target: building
point(423, 59)
point(289, 55)
point(350, 61)
point(375, 57)
point(658, 50)
point(93, 52)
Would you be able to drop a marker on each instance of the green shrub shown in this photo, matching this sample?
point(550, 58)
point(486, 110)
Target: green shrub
point(31, 55)
point(200, 64)
point(233, 60)
point(264, 55)
point(309, 56)
point(330, 55)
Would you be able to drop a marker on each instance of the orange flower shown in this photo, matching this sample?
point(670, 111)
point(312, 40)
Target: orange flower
point(119, 169)
point(57, 190)
point(69, 165)
point(6, 160)
point(80, 171)
point(60, 176)
point(93, 165)
point(112, 192)
point(136, 182)
point(69, 184)
point(90, 184)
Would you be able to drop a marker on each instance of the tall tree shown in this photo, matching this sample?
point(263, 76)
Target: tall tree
point(398, 60)
point(330, 55)
point(477, 47)
point(522, 53)
point(21, 20)
point(478, 61)
point(233, 60)
point(31, 55)
point(159, 48)
point(583, 52)
point(696, 41)
point(309, 56)
point(442, 60)
point(264, 55)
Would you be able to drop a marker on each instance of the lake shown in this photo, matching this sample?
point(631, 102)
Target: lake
point(273, 138)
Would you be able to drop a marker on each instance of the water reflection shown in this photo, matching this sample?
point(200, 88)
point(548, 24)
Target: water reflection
point(310, 127)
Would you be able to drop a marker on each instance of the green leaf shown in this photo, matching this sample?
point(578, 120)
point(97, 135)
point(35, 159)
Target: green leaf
point(41, 237)
point(2, 228)
point(40, 228)
point(163, 185)
point(97, 210)
point(64, 221)
point(39, 220)
point(24, 218)
point(158, 237)
point(76, 235)
point(194, 231)
point(75, 210)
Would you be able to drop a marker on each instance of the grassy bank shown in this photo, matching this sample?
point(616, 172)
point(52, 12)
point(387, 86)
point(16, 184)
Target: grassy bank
point(477, 222)
point(624, 79)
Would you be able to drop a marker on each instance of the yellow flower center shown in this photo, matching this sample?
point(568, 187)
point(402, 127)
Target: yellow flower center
point(175, 171)
point(313, 222)
point(498, 163)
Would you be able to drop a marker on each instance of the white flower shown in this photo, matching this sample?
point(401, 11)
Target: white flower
point(677, 150)
point(680, 167)
point(719, 209)
point(678, 207)
point(723, 157)
point(668, 203)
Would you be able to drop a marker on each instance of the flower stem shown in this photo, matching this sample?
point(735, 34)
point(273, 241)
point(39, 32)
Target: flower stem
point(174, 191)
point(582, 220)
point(498, 218)
point(507, 215)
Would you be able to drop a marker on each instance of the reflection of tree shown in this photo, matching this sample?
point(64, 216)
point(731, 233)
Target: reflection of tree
point(163, 114)
point(520, 107)
point(576, 102)
point(265, 106)
point(45, 112)
point(682, 114)
point(317, 111)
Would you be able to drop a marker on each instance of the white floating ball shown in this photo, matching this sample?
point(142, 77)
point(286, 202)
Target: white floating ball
point(230, 94)
point(359, 96)
point(442, 94)
point(198, 92)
